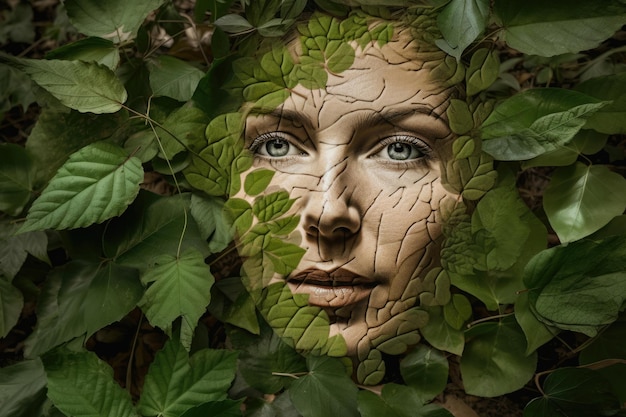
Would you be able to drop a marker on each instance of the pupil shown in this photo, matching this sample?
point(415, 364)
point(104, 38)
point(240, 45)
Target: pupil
point(399, 151)
point(277, 147)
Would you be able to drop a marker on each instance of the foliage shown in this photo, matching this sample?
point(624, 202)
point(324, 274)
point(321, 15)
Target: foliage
point(80, 239)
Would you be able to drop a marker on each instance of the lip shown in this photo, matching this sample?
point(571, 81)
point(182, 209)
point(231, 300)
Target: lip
point(337, 288)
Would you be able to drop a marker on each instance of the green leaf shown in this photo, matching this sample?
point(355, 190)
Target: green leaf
point(535, 27)
point(17, 89)
point(96, 183)
point(440, 334)
point(232, 304)
point(266, 362)
point(257, 181)
point(17, 24)
point(233, 23)
point(425, 370)
point(580, 286)
point(179, 130)
point(612, 118)
point(152, 226)
point(585, 142)
point(113, 293)
point(470, 173)
point(574, 392)
point(57, 135)
point(208, 212)
point(271, 206)
point(22, 388)
point(457, 311)
point(537, 333)
point(16, 178)
point(14, 248)
point(225, 408)
point(117, 20)
point(483, 71)
point(172, 77)
point(177, 383)
point(581, 199)
point(82, 86)
point(82, 385)
point(92, 49)
point(539, 130)
point(460, 22)
point(494, 361)
point(397, 401)
point(181, 287)
point(461, 121)
point(325, 391)
point(11, 303)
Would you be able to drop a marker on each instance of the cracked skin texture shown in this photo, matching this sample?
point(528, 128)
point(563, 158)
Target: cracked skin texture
point(362, 157)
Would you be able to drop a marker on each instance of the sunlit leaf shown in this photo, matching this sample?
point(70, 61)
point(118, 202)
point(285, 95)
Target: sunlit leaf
point(325, 391)
point(11, 303)
point(176, 382)
point(560, 26)
point(536, 121)
point(257, 181)
point(152, 226)
point(82, 385)
point(22, 388)
point(460, 22)
point(16, 178)
point(580, 286)
point(97, 182)
point(82, 86)
point(180, 287)
point(92, 49)
point(266, 362)
point(612, 118)
point(494, 361)
point(172, 77)
point(271, 206)
point(117, 20)
point(425, 370)
point(574, 392)
point(582, 199)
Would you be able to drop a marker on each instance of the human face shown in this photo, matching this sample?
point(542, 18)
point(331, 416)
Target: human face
point(362, 159)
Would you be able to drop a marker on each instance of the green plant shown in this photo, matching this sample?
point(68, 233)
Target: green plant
point(94, 246)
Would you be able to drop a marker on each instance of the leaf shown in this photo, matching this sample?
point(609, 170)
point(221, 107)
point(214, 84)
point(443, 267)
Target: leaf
point(469, 174)
point(579, 287)
point(22, 388)
point(11, 303)
point(612, 118)
point(92, 49)
point(96, 183)
point(208, 212)
point(176, 383)
point(546, 133)
point(117, 20)
point(538, 28)
point(179, 130)
point(17, 89)
point(15, 248)
point(152, 226)
point(225, 408)
point(257, 181)
point(113, 293)
point(17, 25)
point(16, 178)
point(585, 142)
point(271, 206)
point(325, 391)
point(440, 334)
point(537, 333)
point(582, 199)
point(397, 401)
point(494, 361)
point(461, 121)
point(57, 135)
point(457, 311)
point(82, 385)
point(460, 22)
point(82, 86)
point(172, 77)
point(574, 392)
point(266, 362)
point(483, 71)
point(233, 23)
point(181, 287)
point(426, 371)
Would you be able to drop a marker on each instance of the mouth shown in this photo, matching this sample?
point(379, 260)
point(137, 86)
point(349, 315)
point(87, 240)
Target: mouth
point(334, 289)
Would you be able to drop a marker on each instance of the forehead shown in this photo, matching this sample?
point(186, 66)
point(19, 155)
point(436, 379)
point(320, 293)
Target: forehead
point(381, 79)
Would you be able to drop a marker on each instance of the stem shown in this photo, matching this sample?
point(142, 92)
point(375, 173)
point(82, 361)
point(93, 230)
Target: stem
point(484, 319)
point(129, 367)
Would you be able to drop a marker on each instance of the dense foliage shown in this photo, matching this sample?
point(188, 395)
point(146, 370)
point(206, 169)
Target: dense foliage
point(139, 92)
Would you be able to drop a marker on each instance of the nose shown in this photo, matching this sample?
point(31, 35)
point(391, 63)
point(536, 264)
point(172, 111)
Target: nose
point(331, 216)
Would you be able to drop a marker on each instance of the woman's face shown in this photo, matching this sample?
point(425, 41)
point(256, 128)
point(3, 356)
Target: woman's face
point(362, 157)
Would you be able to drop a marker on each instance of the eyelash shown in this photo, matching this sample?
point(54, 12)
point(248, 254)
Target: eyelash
point(412, 140)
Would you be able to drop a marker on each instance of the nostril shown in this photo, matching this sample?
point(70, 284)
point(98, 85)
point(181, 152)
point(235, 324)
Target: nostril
point(312, 231)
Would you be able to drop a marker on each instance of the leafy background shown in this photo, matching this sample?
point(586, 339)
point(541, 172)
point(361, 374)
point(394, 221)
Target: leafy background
point(109, 256)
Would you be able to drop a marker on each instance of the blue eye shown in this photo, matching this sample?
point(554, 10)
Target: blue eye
point(402, 148)
point(273, 145)
point(401, 151)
